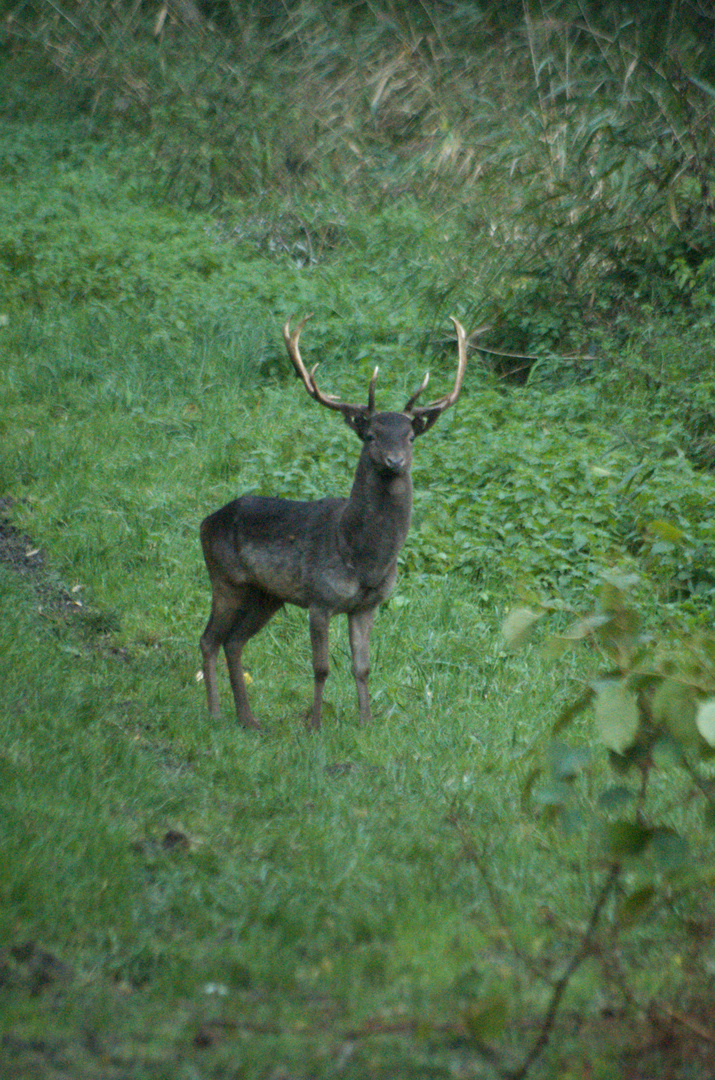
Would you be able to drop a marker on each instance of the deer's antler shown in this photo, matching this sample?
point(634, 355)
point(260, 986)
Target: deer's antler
point(308, 378)
point(427, 414)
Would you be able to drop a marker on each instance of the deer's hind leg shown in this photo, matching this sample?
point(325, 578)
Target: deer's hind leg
point(256, 609)
point(318, 621)
point(225, 604)
point(237, 613)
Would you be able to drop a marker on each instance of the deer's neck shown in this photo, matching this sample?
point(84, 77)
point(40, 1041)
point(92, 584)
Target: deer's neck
point(375, 521)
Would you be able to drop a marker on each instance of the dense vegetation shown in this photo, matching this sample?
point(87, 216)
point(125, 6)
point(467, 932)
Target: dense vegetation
point(511, 872)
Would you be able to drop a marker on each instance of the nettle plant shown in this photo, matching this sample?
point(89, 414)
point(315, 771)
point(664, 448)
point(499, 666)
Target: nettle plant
point(652, 699)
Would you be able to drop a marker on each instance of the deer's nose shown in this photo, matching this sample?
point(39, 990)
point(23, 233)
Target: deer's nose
point(395, 462)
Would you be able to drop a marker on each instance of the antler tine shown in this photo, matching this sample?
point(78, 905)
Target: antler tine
point(291, 340)
point(440, 404)
point(308, 377)
point(371, 392)
point(423, 386)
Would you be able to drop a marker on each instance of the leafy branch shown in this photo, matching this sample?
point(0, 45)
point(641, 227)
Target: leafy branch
point(560, 986)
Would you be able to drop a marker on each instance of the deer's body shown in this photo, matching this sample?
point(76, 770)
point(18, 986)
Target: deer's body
point(331, 556)
point(295, 551)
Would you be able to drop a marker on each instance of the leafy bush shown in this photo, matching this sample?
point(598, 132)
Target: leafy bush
point(560, 504)
point(649, 843)
point(579, 148)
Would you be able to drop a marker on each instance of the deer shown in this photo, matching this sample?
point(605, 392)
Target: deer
point(332, 555)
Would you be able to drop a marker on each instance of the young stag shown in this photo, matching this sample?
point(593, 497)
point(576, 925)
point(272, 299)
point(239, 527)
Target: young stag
point(329, 556)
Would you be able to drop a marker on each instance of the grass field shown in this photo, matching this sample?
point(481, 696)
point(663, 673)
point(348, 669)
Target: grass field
point(180, 898)
point(184, 898)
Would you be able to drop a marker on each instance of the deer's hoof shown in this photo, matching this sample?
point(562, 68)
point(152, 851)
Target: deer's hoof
point(250, 724)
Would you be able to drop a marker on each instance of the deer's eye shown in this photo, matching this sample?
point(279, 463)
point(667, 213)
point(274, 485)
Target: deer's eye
point(368, 437)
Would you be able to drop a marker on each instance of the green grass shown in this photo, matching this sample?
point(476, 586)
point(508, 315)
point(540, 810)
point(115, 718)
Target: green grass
point(314, 886)
point(180, 898)
point(317, 885)
point(320, 872)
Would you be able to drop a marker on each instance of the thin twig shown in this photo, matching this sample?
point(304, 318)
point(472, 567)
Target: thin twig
point(527, 356)
point(560, 987)
point(68, 18)
point(692, 1025)
point(652, 381)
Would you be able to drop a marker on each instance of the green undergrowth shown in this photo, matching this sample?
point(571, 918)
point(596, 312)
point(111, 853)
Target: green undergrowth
point(185, 272)
point(228, 897)
point(509, 872)
point(120, 460)
point(181, 895)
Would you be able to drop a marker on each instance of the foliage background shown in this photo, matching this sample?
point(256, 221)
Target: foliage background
point(175, 180)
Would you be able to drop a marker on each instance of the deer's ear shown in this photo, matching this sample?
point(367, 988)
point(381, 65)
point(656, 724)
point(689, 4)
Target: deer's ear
point(423, 421)
point(358, 421)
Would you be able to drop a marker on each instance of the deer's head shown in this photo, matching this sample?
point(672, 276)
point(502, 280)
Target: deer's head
point(387, 436)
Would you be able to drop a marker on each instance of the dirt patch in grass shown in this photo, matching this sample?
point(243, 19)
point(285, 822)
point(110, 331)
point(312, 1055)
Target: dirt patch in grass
point(16, 549)
point(24, 555)
point(27, 557)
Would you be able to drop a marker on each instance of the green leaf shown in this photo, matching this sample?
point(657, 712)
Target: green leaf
point(620, 628)
point(670, 850)
point(615, 797)
point(614, 588)
point(623, 838)
point(555, 648)
point(665, 530)
point(705, 720)
point(674, 707)
point(617, 716)
point(572, 710)
point(556, 794)
point(666, 752)
point(634, 906)
point(486, 1019)
point(518, 625)
point(567, 761)
point(585, 627)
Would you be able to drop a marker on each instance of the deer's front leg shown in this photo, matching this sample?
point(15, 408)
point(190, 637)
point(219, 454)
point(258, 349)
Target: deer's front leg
point(233, 650)
point(360, 625)
point(318, 620)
